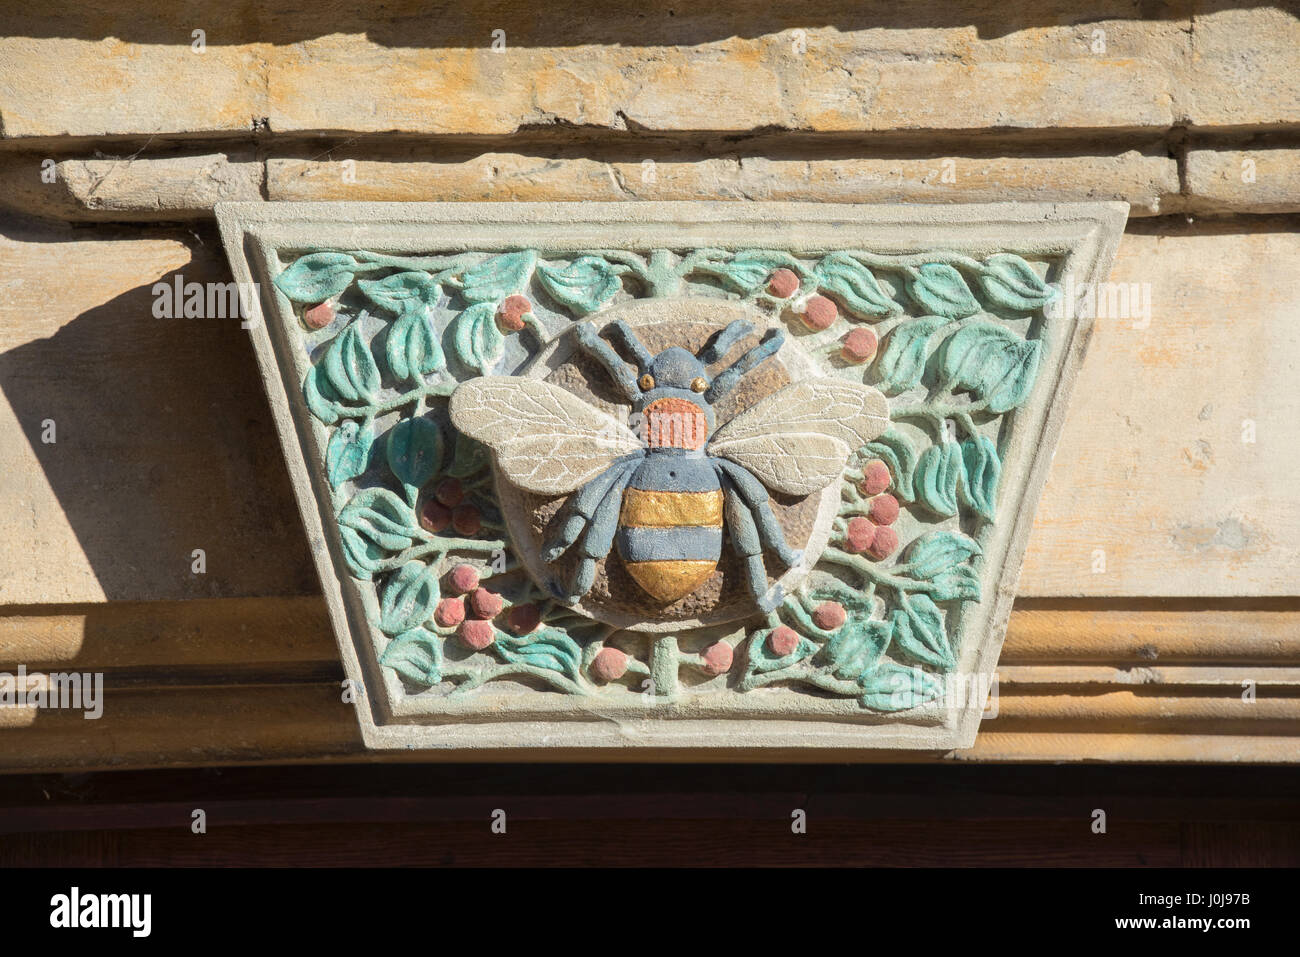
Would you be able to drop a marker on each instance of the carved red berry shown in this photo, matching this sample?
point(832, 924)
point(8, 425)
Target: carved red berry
point(884, 509)
point(476, 634)
point(463, 579)
point(829, 615)
point(434, 516)
point(524, 618)
point(511, 312)
point(484, 603)
point(450, 492)
point(717, 658)
point(885, 544)
point(859, 345)
point(819, 312)
point(783, 283)
point(783, 641)
point(610, 664)
point(875, 477)
point(861, 533)
point(449, 613)
point(318, 316)
point(466, 520)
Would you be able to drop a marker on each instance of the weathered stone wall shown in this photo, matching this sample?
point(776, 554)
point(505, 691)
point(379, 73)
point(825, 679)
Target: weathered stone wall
point(1154, 103)
point(120, 127)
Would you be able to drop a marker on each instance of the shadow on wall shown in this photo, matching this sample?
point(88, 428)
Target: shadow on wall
point(164, 444)
point(469, 23)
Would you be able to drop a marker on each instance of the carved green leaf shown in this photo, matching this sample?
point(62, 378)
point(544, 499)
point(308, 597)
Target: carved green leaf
point(747, 271)
point(549, 649)
point(903, 361)
point(897, 688)
point(759, 657)
point(940, 289)
point(320, 398)
point(980, 473)
point(992, 362)
point(854, 285)
point(348, 451)
point(895, 450)
point(1011, 282)
point(409, 598)
point(584, 285)
point(936, 477)
point(381, 522)
point(494, 279)
point(317, 276)
point(919, 634)
point(415, 452)
point(935, 553)
point(402, 291)
point(857, 647)
point(959, 583)
point(476, 340)
point(468, 456)
point(413, 348)
point(350, 369)
point(944, 558)
point(415, 655)
point(363, 555)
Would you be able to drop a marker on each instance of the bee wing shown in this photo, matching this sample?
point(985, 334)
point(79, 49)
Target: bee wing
point(797, 440)
point(794, 464)
point(545, 439)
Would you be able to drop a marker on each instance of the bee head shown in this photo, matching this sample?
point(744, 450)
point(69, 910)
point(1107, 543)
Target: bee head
point(672, 407)
point(675, 369)
point(675, 374)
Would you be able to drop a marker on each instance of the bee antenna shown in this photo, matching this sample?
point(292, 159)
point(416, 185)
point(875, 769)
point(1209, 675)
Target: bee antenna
point(604, 353)
point(772, 340)
point(622, 333)
point(720, 342)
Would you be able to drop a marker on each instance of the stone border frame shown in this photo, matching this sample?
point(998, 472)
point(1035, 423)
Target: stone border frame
point(1081, 237)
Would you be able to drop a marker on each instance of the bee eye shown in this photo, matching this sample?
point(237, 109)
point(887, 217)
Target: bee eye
point(698, 384)
point(646, 382)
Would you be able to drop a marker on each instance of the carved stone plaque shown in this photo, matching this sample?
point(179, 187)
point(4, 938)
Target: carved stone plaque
point(684, 478)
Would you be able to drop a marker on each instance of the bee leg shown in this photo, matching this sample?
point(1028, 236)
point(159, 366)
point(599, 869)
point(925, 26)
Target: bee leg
point(567, 535)
point(582, 506)
point(745, 540)
point(778, 596)
point(584, 576)
point(598, 538)
point(754, 495)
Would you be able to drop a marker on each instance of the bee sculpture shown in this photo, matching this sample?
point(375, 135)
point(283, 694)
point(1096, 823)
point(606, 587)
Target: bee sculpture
point(664, 497)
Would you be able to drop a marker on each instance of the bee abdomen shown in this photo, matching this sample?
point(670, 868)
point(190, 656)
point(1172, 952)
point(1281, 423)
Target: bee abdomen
point(670, 542)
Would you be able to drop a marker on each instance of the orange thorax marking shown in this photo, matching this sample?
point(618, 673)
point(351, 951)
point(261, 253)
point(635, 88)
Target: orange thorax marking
point(674, 423)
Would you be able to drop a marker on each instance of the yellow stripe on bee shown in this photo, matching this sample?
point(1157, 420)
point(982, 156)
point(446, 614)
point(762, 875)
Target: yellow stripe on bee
point(669, 581)
point(643, 508)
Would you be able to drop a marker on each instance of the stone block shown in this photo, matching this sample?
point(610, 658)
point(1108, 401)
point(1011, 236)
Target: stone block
point(1244, 180)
